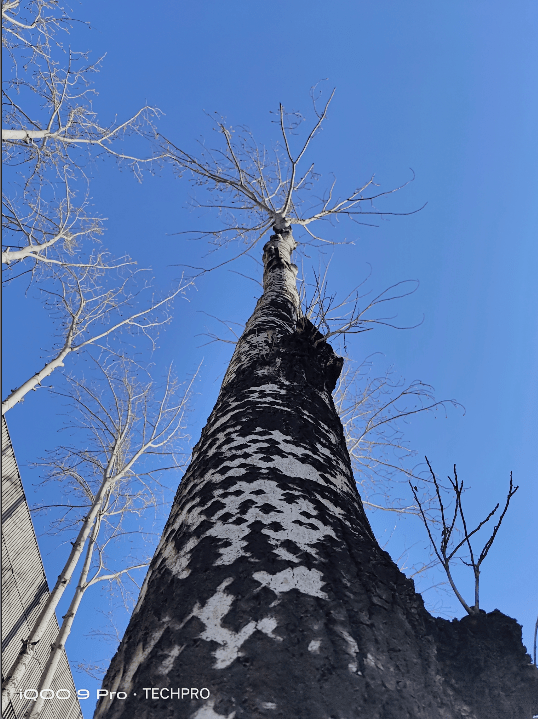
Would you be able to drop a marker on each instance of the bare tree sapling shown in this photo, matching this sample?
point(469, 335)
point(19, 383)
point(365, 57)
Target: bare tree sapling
point(453, 525)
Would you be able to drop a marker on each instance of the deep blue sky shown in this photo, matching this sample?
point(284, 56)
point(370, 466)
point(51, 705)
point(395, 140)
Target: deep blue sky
point(447, 89)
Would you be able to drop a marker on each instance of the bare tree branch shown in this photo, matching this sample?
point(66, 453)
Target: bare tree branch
point(349, 315)
point(49, 231)
point(49, 132)
point(47, 110)
point(372, 411)
point(88, 313)
point(265, 188)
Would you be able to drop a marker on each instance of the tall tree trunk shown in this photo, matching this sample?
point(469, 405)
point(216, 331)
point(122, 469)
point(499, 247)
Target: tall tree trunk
point(268, 589)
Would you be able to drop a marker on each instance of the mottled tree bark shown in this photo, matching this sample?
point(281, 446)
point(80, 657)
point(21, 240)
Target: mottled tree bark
point(268, 588)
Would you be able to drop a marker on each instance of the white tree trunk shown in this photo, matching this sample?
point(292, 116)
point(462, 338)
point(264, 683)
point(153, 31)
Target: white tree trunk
point(27, 652)
point(24, 134)
point(58, 647)
point(17, 395)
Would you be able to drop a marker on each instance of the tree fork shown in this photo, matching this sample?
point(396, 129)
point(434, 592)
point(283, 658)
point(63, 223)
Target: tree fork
point(268, 588)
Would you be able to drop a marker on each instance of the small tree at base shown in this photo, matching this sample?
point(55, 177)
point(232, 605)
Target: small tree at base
point(448, 548)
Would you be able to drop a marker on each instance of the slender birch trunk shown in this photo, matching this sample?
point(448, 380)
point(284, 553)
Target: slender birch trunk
point(56, 651)
point(158, 428)
point(27, 652)
point(17, 395)
point(268, 595)
point(111, 476)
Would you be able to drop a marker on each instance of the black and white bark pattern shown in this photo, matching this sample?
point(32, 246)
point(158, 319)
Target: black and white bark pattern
point(268, 588)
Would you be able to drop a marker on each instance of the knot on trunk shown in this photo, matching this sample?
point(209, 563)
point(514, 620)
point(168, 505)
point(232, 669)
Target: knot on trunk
point(322, 365)
point(277, 251)
point(282, 224)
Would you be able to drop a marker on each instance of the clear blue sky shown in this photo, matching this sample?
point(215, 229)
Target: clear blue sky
point(448, 89)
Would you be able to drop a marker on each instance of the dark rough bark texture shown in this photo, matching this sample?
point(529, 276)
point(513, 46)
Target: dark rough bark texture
point(268, 587)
